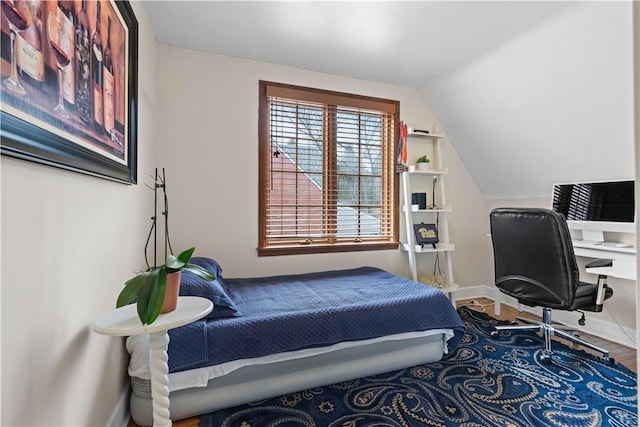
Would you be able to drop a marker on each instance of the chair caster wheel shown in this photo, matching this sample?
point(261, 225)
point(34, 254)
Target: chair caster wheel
point(610, 360)
point(495, 334)
point(546, 359)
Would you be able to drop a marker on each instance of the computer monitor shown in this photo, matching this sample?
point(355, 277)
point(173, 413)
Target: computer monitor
point(597, 207)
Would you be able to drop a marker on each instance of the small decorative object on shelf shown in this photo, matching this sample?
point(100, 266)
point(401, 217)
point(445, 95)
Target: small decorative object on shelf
point(426, 234)
point(156, 290)
point(401, 161)
point(419, 199)
point(433, 194)
point(421, 131)
point(423, 163)
point(436, 280)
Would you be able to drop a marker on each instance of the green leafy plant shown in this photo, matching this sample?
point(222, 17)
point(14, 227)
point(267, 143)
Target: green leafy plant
point(423, 159)
point(149, 288)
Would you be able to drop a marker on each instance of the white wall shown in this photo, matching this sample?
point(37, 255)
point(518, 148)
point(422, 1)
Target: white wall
point(69, 242)
point(208, 142)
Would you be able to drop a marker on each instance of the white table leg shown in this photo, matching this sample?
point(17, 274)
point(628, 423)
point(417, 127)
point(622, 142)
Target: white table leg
point(158, 343)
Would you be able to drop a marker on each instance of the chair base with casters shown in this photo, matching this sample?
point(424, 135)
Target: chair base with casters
point(548, 330)
point(535, 264)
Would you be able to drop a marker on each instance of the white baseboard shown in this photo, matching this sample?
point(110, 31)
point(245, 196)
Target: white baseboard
point(479, 291)
point(120, 415)
point(594, 326)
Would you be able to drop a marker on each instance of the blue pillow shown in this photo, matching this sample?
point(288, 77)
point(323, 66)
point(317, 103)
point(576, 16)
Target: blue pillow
point(215, 291)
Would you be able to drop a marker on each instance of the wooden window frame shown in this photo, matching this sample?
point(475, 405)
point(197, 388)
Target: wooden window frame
point(269, 89)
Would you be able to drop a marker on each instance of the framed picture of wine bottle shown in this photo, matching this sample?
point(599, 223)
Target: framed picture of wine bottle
point(69, 83)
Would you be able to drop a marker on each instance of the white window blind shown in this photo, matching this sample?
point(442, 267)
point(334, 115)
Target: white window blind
point(328, 178)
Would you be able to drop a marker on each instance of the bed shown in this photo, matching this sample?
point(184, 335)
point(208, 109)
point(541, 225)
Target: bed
point(275, 335)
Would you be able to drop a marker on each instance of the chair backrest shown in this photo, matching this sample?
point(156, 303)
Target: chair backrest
point(533, 256)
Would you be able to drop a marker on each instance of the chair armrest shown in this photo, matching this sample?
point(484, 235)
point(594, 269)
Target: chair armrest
point(599, 263)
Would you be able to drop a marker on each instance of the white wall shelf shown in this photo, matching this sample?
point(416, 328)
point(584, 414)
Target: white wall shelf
point(420, 249)
point(430, 210)
point(414, 180)
point(429, 172)
point(413, 132)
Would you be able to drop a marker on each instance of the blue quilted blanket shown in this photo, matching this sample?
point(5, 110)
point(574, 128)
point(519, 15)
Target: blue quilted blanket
point(286, 313)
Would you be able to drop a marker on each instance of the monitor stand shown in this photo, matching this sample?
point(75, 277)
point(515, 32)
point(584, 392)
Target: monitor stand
point(593, 236)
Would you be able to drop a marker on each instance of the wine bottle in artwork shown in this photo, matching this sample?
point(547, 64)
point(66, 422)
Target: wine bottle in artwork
point(83, 65)
point(29, 52)
point(108, 80)
point(68, 73)
point(96, 74)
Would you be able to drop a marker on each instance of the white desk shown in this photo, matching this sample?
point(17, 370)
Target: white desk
point(124, 322)
point(622, 256)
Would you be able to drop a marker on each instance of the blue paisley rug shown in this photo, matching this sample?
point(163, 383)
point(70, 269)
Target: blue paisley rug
point(484, 382)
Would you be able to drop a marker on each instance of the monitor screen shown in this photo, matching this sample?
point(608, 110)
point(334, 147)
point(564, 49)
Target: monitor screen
point(612, 201)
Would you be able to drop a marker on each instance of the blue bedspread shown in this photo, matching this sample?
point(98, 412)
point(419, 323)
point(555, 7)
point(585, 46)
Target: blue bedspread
point(286, 313)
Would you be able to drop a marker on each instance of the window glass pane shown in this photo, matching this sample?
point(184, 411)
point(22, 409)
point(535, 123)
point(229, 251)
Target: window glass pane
point(309, 192)
point(370, 160)
point(371, 129)
point(354, 222)
point(359, 202)
point(370, 191)
point(369, 223)
point(347, 158)
point(359, 190)
point(296, 132)
point(308, 155)
point(348, 140)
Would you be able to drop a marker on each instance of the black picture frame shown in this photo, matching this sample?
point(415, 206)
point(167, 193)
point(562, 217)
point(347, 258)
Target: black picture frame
point(426, 234)
point(30, 131)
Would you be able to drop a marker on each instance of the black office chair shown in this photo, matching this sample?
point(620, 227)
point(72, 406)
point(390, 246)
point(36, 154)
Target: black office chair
point(535, 263)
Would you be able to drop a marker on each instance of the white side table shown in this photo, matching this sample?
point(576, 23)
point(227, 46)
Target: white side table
point(124, 322)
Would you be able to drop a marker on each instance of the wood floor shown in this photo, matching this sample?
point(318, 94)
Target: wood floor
point(621, 354)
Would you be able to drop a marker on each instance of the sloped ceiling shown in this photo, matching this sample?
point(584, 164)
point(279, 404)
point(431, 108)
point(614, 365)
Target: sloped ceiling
point(555, 104)
point(529, 93)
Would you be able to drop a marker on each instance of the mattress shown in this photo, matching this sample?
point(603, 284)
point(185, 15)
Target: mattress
point(138, 347)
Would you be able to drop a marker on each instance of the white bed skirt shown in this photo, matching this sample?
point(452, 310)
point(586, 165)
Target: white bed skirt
point(255, 382)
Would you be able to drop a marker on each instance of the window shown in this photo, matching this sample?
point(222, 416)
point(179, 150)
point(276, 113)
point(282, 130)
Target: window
point(327, 181)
